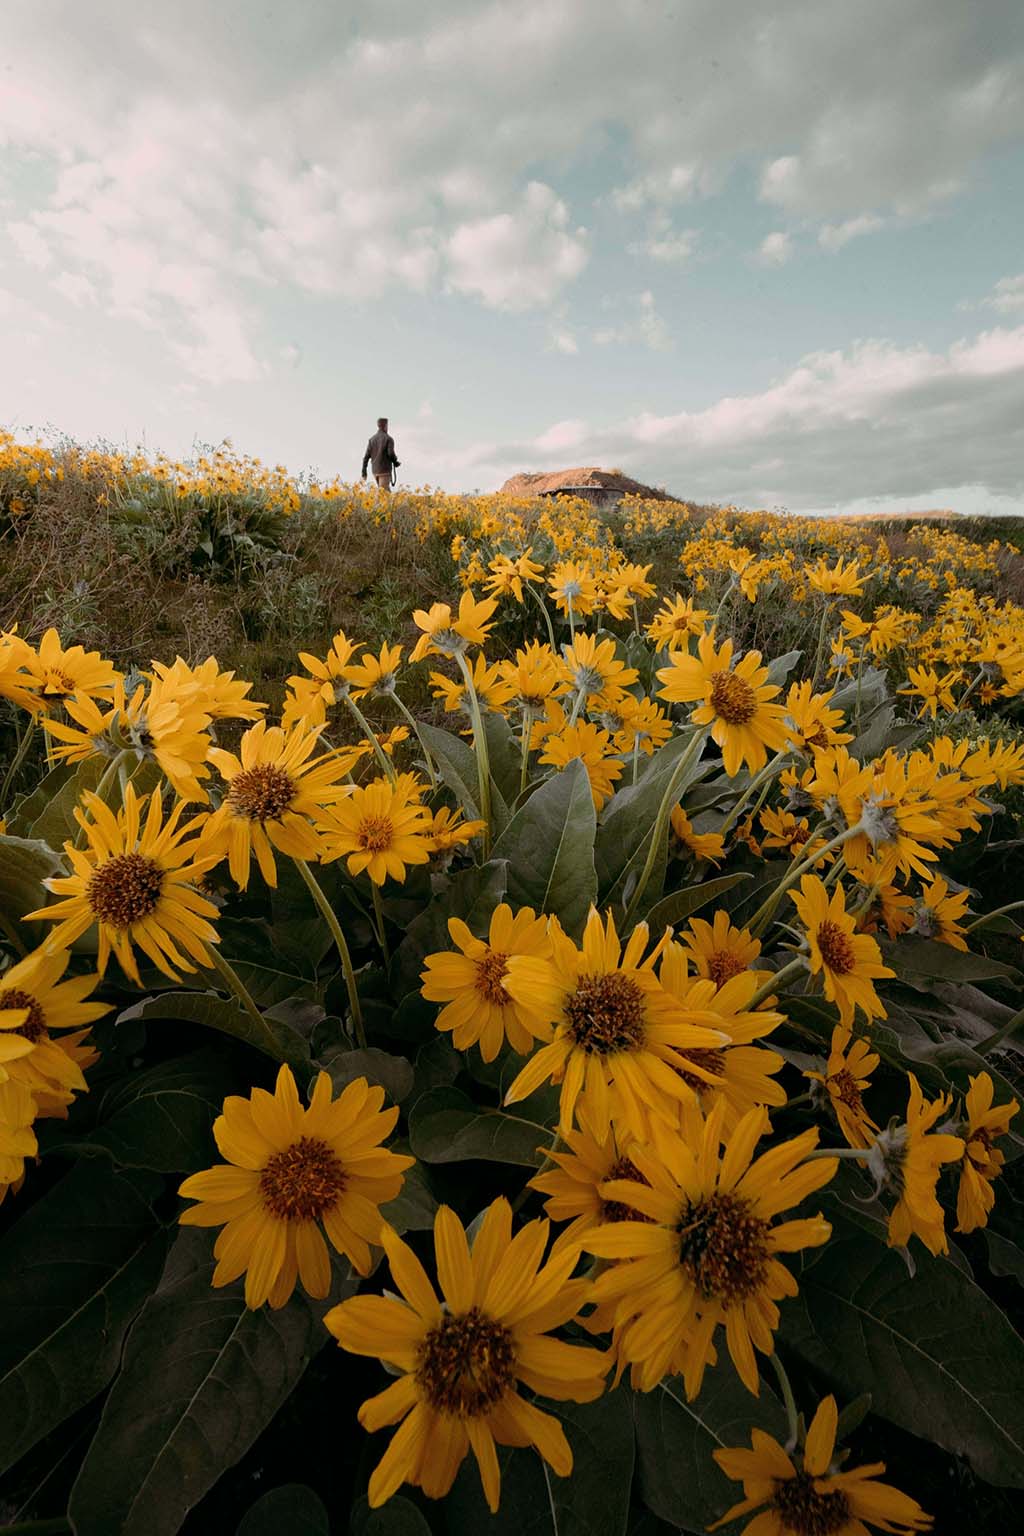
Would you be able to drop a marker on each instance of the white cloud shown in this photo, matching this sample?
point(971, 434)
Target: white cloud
point(672, 185)
point(644, 327)
point(832, 237)
point(564, 434)
point(76, 288)
point(775, 249)
point(877, 421)
point(518, 260)
point(664, 242)
point(29, 244)
point(565, 342)
point(1008, 295)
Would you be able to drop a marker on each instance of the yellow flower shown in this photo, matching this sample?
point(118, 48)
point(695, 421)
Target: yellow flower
point(618, 1033)
point(851, 1062)
point(701, 845)
point(329, 682)
point(28, 1049)
point(479, 1011)
point(450, 830)
point(839, 579)
point(217, 693)
point(493, 690)
point(912, 1160)
point(536, 675)
point(574, 589)
point(592, 746)
point(461, 1362)
point(380, 828)
point(61, 674)
point(17, 1138)
point(573, 1185)
point(593, 668)
point(809, 720)
point(374, 674)
point(734, 701)
point(982, 1162)
point(289, 1172)
point(136, 881)
point(508, 575)
point(675, 621)
point(444, 636)
point(635, 724)
point(937, 914)
point(16, 682)
point(848, 962)
point(275, 797)
point(720, 951)
point(814, 1499)
point(708, 1255)
point(935, 692)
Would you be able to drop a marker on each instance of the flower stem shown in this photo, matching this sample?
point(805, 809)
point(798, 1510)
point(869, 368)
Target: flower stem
point(668, 800)
point(989, 917)
point(379, 914)
point(863, 1153)
point(787, 1398)
point(17, 760)
point(371, 736)
point(787, 973)
point(764, 779)
point(820, 653)
point(431, 769)
point(236, 985)
point(1000, 1035)
point(524, 762)
point(762, 917)
point(329, 917)
point(483, 759)
point(107, 778)
point(542, 605)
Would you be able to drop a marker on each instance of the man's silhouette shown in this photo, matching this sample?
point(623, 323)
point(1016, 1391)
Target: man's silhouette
point(380, 452)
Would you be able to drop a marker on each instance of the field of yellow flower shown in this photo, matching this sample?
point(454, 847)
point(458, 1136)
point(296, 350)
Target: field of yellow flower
point(547, 1060)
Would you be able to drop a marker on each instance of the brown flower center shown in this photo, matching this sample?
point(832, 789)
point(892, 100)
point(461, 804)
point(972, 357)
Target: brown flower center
point(844, 1086)
point(466, 1363)
point(723, 1247)
point(34, 1027)
point(124, 889)
point(303, 1181)
point(263, 793)
point(723, 965)
point(836, 949)
point(732, 699)
point(606, 1014)
point(58, 685)
point(807, 1512)
point(376, 833)
point(615, 1210)
point(710, 1059)
point(490, 972)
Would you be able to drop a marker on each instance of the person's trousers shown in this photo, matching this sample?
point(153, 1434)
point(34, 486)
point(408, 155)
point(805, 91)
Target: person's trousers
point(384, 481)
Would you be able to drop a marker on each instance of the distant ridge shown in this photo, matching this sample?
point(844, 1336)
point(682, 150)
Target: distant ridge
point(586, 478)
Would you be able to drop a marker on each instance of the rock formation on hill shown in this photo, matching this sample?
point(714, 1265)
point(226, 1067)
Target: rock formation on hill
point(602, 486)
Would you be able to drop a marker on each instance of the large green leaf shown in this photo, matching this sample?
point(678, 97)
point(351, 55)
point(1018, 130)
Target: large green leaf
point(225, 1015)
point(46, 811)
point(202, 1376)
point(457, 764)
point(937, 1355)
point(677, 906)
point(392, 1073)
point(161, 1119)
point(24, 864)
point(592, 1501)
point(76, 1269)
point(922, 963)
point(446, 1126)
point(549, 845)
point(398, 1517)
point(414, 1209)
point(679, 1479)
point(627, 824)
point(472, 895)
point(292, 1510)
point(504, 754)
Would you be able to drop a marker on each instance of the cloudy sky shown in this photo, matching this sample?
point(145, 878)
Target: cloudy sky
point(764, 251)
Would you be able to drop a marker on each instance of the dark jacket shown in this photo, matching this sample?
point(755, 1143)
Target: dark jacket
point(380, 452)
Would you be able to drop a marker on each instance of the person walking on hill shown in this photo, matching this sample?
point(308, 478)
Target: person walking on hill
point(380, 452)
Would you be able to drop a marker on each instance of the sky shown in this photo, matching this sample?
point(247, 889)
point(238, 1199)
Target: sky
point(760, 253)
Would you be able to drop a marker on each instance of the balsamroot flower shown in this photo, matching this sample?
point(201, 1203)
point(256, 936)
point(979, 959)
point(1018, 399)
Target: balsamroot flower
point(813, 1498)
point(380, 828)
point(733, 700)
point(478, 1010)
point(982, 1162)
point(848, 962)
point(462, 1361)
point(907, 1159)
point(29, 1049)
point(289, 1172)
point(851, 1062)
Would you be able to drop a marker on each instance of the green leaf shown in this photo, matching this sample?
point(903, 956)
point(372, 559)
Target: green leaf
point(504, 754)
point(592, 1501)
point(624, 833)
point(921, 963)
point(549, 845)
point(446, 1126)
point(202, 1377)
point(162, 1118)
point(398, 1517)
point(675, 908)
point(293, 1509)
point(937, 1355)
point(76, 1269)
point(780, 668)
point(414, 1209)
point(24, 864)
point(392, 1073)
point(31, 810)
point(225, 1015)
point(472, 895)
point(457, 764)
point(679, 1479)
